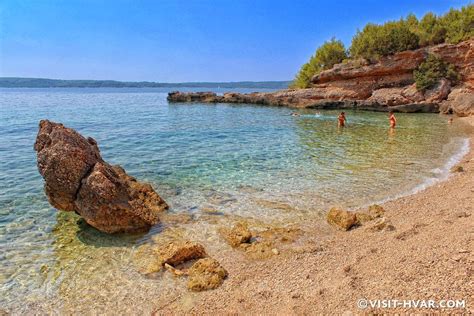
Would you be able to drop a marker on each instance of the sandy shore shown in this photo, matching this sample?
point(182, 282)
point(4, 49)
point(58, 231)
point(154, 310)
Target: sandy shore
point(429, 256)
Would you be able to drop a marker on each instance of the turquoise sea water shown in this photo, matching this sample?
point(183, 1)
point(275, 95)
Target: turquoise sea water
point(197, 156)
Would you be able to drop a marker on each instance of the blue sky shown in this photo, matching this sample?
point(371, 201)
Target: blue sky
point(181, 40)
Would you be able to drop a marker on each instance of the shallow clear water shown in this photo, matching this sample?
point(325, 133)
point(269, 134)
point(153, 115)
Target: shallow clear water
point(239, 159)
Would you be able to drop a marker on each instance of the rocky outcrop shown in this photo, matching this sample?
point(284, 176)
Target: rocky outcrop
point(389, 70)
point(389, 81)
point(78, 179)
point(192, 97)
point(386, 85)
point(459, 101)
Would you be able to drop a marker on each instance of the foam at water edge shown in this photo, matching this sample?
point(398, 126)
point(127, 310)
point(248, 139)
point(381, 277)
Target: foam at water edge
point(442, 172)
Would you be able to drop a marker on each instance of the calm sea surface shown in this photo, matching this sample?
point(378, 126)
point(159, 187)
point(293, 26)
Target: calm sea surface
point(224, 157)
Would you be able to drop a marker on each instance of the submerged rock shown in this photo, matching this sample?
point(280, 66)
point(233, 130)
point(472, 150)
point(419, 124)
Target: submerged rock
point(341, 219)
point(175, 256)
point(78, 179)
point(145, 260)
point(177, 252)
point(174, 271)
point(206, 274)
point(275, 205)
point(262, 242)
point(280, 234)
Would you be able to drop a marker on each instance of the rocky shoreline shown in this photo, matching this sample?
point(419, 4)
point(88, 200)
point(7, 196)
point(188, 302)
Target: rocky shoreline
point(386, 85)
point(400, 253)
point(397, 250)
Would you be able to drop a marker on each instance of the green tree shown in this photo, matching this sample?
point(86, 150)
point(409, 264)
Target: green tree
point(326, 56)
point(430, 30)
point(431, 70)
point(376, 40)
point(412, 22)
point(303, 77)
point(459, 24)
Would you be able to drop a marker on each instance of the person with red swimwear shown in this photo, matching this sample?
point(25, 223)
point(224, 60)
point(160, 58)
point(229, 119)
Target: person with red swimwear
point(341, 120)
point(392, 119)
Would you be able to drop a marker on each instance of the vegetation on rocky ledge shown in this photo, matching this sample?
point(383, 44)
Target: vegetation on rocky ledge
point(431, 71)
point(382, 40)
point(327, 55)
point(377, 40)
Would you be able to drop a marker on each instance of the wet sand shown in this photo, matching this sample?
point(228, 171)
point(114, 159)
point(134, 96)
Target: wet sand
point(429, 256)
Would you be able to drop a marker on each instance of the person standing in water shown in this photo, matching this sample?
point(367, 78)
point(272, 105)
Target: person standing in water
point(341, 120)
point(392, 119)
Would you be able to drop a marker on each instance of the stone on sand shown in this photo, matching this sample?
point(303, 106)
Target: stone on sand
point(237, 235)
point(457, 169)
point(363, 218)
point(341, 219)
point(206, 274)
point(381, 224)
point(259, 250)
point(376, 211)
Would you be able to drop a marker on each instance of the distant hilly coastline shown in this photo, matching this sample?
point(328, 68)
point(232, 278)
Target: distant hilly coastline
point(13, 82)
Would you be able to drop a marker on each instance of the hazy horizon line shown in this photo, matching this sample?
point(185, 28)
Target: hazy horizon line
point(143, 81)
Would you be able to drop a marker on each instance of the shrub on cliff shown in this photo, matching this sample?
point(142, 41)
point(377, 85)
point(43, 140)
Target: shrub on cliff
point(430, 71)
point(385, 39)
point(303, 77)
point(376, 40)
point(326, 56)
point(395, 36)
point(430, 30)
point(459, 24)
point(453, 27)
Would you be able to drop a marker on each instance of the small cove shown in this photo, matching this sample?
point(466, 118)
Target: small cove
point(241, 160)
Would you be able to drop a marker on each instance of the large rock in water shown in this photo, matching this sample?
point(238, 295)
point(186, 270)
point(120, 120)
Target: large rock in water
point(78, 179)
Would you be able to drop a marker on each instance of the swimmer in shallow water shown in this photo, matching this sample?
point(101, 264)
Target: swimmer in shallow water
point(341, 120)
point(295, 114)
point(450, 121)
point(392, 119)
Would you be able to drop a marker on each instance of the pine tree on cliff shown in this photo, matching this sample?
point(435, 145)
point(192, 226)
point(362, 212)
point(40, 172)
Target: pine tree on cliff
point(326, 56)
point(377, 40)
